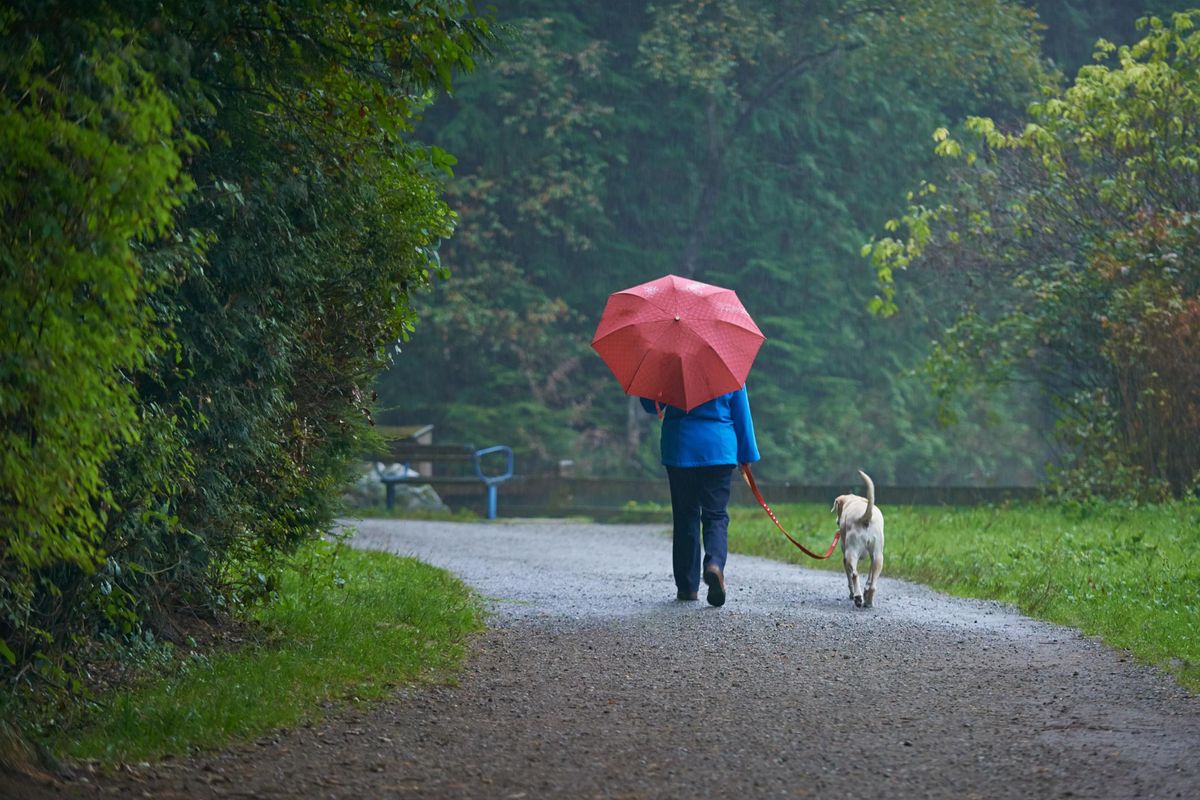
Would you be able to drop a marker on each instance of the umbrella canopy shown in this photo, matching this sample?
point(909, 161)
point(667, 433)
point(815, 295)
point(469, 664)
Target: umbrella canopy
point(677, 341)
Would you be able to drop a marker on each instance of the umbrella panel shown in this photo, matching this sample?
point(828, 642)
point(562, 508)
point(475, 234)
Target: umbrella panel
point(677, 341)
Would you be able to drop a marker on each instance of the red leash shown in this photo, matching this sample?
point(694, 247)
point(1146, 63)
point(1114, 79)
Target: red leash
point(749, 476)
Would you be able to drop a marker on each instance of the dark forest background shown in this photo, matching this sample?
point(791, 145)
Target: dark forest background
point(753, 145)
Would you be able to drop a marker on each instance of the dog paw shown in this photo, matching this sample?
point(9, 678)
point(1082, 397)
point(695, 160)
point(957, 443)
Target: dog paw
point(858, 601)
point(869, 599)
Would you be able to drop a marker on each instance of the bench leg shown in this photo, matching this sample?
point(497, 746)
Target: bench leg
point(391, 495)
point(491, 501)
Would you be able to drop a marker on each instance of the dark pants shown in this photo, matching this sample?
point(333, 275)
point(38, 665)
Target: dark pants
point(699, 497)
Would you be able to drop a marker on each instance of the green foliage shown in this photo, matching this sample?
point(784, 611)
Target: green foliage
point(213, 221)
point(533, 174)
point(91, 175)
point(1113, 571)
point(747, 143)
point(1081, 228)
point(346, 627)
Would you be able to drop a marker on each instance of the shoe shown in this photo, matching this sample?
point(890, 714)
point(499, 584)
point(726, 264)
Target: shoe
point(682, 595)
point(715, 580)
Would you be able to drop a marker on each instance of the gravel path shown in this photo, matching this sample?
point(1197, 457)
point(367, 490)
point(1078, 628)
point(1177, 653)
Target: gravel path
point(592, 681)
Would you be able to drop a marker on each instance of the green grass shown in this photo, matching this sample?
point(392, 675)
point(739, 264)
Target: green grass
point(347, 628)
point(1127, 575)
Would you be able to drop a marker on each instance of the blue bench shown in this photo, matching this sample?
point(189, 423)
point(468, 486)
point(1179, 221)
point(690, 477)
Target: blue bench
point(420, 457)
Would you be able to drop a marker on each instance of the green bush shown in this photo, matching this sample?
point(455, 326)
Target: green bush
point(91, 173)
point(212, 221)
point(1077, 235)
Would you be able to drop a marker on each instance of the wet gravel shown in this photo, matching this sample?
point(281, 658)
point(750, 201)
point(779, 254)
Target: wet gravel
point(593, 681)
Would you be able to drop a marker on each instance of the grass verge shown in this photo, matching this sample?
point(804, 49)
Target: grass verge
point(1127, 575)
point(347, 627)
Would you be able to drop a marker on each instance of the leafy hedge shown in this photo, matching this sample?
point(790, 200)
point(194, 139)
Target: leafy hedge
point(212, 219)
point(1080, 231)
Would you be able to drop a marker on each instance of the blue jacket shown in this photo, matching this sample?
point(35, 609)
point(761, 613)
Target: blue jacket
point(720, 431)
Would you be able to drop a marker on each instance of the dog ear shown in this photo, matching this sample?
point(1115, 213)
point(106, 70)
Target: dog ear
point(837, 505)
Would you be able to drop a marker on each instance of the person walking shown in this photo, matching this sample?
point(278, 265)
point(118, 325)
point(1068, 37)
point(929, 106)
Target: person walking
point(700, 450)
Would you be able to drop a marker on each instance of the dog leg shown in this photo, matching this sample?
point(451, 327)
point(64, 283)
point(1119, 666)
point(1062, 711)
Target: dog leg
point(852, 579)
point(876, 568)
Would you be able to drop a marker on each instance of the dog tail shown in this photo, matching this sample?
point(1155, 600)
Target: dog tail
point(866, 518)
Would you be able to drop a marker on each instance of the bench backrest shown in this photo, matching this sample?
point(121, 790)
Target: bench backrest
point(458, 459)
point(404, 452)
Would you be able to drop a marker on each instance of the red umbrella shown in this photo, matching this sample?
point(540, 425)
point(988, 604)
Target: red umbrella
point(677, 341)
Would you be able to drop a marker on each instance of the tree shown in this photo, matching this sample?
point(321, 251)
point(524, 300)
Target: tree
point(810, 122)
point(1081, 230)
point(606, 149)
point(529, 189)
point(742, 58)
point(213, 220)
point(91, 173)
